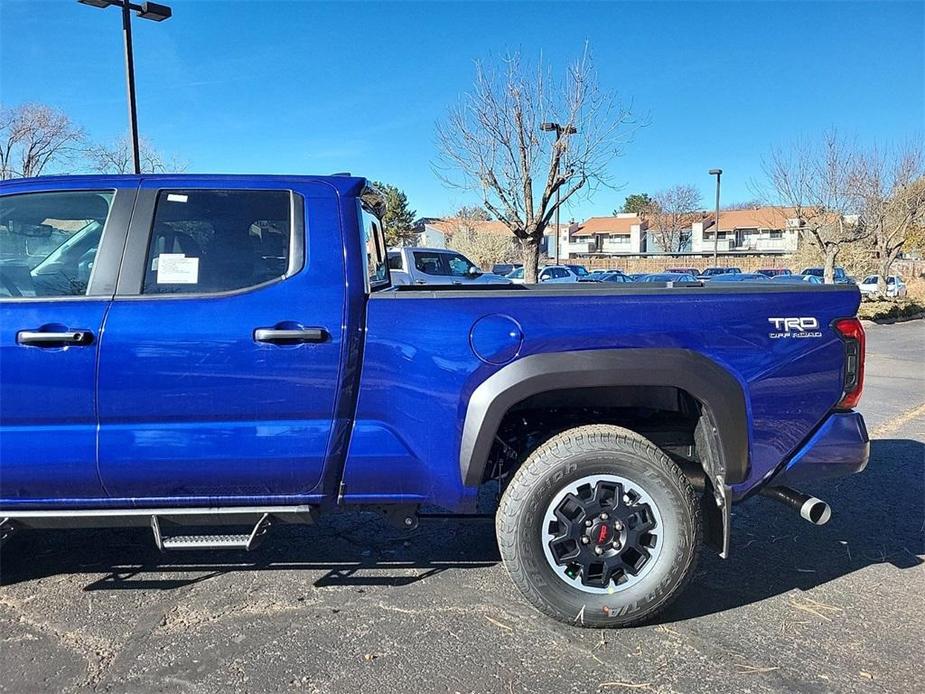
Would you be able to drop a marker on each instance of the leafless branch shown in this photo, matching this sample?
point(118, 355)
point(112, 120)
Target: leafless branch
point(491, 142)
point(670, 213)
point(34, 137)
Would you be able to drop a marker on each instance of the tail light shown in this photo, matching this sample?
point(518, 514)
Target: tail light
point(852, 333)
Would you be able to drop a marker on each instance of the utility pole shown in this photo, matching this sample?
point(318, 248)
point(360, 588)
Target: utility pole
point(558, 130)
point(717, 173)
point(146, 10)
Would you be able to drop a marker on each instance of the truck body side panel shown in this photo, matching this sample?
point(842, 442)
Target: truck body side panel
point(420, 369)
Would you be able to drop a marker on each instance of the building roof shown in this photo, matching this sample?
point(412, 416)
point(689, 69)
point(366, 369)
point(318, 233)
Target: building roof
point(450, 225)
point(608, 225)
point(754, 218)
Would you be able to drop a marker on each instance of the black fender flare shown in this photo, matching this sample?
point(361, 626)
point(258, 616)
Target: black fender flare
point(718, 391)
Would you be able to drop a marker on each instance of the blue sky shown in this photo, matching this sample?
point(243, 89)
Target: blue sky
point(306, 87)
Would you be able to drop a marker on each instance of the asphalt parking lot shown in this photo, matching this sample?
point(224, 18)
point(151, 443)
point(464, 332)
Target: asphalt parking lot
point(349, 605)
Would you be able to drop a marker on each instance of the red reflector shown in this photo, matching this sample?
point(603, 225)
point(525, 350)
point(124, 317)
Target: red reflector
point(852, 332)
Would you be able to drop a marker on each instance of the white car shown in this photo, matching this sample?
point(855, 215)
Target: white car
point(895, 287)
point(436, 266)
point(551, 274)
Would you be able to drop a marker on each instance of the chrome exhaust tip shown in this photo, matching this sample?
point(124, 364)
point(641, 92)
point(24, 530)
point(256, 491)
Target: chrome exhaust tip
point(811, 509)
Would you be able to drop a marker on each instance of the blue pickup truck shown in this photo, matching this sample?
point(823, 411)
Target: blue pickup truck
point(209, 356)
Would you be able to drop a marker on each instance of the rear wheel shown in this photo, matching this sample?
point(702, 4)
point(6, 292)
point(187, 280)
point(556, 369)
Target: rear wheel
point(599, 528)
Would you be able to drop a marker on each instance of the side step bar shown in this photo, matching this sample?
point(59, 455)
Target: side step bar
point(243, 541)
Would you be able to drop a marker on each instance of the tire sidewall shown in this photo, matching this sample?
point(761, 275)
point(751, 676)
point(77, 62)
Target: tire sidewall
point(657, 586)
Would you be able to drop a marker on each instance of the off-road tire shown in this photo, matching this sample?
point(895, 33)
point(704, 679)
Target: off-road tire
point(568, 457)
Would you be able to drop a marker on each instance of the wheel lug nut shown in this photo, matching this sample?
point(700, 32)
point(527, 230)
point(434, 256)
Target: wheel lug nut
point(598, 550)
point(626, 498)
point(604, 516)
point(616, 544)
point(618, 525)
point(585, 540)
point(587, 524)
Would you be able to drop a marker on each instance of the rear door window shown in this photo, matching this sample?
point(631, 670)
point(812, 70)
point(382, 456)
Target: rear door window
point(212, 241)
point(430, 263)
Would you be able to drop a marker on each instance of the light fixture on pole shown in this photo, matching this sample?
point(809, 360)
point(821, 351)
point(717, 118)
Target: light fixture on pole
point(717, 173)
point(558, 130)
point(145, 10)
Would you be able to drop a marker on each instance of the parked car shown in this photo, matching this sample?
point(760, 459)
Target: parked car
point(615, 277)
point(774, 271)
point(668, 277)
point(553, 274)
point(580, 271)
point(504, 269)
point(683, 271)
point(597, 274)
point(895, 287)
point(260, 368)
point(840, 276)
point(740, 277)
point(807, 279)
point(559, 274)
point(438, 266)
point(516, 276)
point(711, 272)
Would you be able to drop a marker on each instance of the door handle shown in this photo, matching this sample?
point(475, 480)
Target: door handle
point(282, 335)
point(41, 338)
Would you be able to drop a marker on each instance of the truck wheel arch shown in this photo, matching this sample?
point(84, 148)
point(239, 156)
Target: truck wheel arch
point(716, 389)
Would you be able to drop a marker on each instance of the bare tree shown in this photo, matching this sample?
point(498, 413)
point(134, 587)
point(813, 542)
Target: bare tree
point(670, 213)
point(473, 212)
point(890, 188)
point(493, 139)
point(815, 180)
point(742, 205)
point(33, 137)
point(471, 235)
point(116, 158)
point(484, 248)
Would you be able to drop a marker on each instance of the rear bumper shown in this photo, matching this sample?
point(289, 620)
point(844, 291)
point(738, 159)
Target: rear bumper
point(839, 447)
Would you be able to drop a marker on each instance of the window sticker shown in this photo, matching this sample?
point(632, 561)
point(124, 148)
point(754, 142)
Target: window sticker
point(177, 197)
point(176, 268)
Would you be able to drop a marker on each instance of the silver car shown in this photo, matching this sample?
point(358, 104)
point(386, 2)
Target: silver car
point(895, 287)
point(436, 266)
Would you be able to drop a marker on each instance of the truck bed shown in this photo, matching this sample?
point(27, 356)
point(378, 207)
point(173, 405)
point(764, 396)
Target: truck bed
point(420, 368)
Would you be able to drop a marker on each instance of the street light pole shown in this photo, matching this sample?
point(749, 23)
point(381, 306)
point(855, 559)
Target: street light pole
point(130, 87)
point(558, 130)
point(717, 173)
point(146, 10)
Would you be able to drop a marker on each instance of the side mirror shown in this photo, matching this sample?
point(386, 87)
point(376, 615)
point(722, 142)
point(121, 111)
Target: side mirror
point(473, 271)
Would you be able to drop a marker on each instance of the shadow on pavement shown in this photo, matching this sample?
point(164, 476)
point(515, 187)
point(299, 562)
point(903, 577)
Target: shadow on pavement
point(878, 517)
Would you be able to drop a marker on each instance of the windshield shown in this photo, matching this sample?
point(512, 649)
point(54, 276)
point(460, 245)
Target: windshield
point(579, 270)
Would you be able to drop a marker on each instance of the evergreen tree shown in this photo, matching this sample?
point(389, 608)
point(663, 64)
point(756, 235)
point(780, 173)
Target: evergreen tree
point(398, 221)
